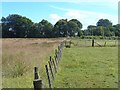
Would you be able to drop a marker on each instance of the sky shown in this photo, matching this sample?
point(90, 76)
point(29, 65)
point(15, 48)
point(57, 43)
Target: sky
point(88, 12)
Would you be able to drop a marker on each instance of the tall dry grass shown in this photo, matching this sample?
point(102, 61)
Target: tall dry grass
point(20, 56)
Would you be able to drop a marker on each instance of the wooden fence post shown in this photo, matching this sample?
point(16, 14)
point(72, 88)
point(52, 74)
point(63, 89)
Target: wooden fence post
point(48, 75)
point(92, 42)
point(105, 44)
point(58, 48)
point(55, 51)
point(56, 60)
point(65, 43)
point(37, 82)
point(58, 55)
point(50, 66)
point(55, 67)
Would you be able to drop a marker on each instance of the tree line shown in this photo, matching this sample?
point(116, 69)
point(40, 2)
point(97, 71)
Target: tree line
point(17, 26)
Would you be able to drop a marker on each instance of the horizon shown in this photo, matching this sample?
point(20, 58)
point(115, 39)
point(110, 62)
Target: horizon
point(88, 13)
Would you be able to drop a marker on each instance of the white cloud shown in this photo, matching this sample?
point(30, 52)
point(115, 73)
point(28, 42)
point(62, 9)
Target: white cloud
point(75, 14)
point(85, 17)
point(89, 18)
point(54, 18)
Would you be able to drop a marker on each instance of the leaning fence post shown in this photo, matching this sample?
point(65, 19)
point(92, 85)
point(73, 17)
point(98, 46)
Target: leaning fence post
point(48, 75)
point(37, 82)
point(55, 67)
point(50, 65)
point(58, 55)
point(56, 60)
point(58, 48)
point(105, 44)
point(65, 43)
point(55, 51)
point(92, 42)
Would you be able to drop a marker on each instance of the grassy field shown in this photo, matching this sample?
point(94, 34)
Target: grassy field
point(81, 66)
point(19, 56)
point(88, 67)
point(98, 42)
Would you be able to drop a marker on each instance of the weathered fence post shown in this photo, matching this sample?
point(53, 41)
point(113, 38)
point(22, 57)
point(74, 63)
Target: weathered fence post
point(65, 43)
point(92, 42)
point(50, 66)
point(58, 55)
point(61, 52)
point(58, 48)
point(48, 75)
point(37, 82)
point(115, 43)
point(55, 51)
point(55, 67)
point(105, 44)
point(56, 60)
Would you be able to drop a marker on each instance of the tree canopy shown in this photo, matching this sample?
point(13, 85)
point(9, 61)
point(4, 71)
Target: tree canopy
point(104, 23)
point(103, 28)
point(17, 26)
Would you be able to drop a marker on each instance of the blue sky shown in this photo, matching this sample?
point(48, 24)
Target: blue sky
point(88, 13)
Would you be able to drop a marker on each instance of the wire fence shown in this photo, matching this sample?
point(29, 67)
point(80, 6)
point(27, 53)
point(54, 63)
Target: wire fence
point(51, 69)
point(96, 42)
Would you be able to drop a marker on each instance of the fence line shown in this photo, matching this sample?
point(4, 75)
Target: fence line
point(51, 69)
point(95, 43)
point(52, 66)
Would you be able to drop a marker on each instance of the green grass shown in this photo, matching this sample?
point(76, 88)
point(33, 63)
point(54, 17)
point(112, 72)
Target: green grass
point(80, 66)
point(87, 67)
point(88, 42)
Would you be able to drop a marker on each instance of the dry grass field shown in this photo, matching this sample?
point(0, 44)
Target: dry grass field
point(81, 66)
point(20, 56)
